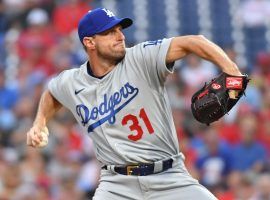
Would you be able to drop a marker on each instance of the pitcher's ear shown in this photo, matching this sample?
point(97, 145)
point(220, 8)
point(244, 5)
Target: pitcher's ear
point(89, 42)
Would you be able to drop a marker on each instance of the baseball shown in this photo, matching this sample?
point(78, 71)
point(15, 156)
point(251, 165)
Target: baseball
point(45, 134)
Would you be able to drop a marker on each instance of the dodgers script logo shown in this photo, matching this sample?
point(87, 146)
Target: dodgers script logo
point(109, 107)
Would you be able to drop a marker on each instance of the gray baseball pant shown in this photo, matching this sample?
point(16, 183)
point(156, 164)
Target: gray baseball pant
point(173, 184)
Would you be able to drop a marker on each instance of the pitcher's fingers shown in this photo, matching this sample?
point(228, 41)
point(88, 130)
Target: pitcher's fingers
point(35, 143)
point(233, 94)
point(40, 137)
point(36, 139)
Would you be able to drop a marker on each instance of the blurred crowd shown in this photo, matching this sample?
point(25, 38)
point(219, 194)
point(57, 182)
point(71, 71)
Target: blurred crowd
point(39, 39)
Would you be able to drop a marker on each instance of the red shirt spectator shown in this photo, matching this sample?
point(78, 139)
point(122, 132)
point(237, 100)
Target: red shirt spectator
point(230, 133)
point(66, 17)
point(36, 41)
point(264, 131)
point(228, 195)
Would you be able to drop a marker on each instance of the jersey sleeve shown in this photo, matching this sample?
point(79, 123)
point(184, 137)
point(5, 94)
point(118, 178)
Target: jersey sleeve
point(151, 59)
point(58, 87)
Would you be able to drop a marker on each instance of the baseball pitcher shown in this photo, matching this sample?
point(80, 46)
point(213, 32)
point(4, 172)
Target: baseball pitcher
point(119, 99)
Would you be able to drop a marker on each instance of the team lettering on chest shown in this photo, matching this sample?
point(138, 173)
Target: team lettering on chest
point(108, 108)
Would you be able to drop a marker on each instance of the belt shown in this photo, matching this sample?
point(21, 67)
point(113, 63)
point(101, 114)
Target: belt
point(142, 169)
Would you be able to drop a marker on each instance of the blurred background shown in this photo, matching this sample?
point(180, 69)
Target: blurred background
point(38, 39)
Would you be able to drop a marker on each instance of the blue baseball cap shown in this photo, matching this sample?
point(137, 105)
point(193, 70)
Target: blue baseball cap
point(99, 20)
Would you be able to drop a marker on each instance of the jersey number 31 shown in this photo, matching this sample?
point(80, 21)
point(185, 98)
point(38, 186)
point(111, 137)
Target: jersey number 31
point(135, 126)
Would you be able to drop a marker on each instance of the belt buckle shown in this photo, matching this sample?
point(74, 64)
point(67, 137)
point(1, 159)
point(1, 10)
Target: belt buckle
point(130, 169)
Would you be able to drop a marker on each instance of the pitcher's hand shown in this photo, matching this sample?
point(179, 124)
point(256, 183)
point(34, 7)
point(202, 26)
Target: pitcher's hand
point(37, 136)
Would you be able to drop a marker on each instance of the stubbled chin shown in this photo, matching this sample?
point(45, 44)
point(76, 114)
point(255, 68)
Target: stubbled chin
point(121, 56)
point(122, 51)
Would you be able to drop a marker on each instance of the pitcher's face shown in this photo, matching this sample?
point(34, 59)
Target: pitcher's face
point(110, 44)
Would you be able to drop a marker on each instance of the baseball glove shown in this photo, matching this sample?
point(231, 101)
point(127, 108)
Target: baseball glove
point(213, 101)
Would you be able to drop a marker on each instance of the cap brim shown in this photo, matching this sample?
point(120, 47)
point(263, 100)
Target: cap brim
point(124, 22)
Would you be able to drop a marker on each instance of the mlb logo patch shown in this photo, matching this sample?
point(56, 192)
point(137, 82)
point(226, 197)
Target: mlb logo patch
point(234, 83)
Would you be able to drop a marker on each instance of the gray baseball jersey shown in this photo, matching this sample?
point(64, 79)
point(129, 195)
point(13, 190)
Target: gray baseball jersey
point(127, 112)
